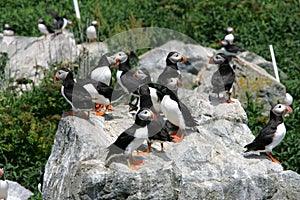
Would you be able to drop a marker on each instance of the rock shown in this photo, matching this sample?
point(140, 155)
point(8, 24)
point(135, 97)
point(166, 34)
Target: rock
point(29, 57)
point(208, 164)
point(17, 192)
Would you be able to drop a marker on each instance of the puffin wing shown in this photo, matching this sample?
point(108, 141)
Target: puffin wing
point(264, 138)
point(121, 143)
point(79, 97)
point(129, 81)
point(168, 73)
point(188, 118)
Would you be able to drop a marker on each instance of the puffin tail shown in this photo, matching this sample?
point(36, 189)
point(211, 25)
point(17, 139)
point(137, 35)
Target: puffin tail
point(112, 150)
point(250, 147)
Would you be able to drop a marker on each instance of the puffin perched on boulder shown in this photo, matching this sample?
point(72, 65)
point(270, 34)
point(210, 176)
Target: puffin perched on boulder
point(171, 70)
point(272, 134)
point(224, 77)
point(91, 33)
point(132, 138)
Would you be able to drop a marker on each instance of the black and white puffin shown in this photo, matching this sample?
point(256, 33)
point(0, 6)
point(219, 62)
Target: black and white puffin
point(44, 28)
point(82, 94)
point(59, 23)
point(229, 49)
point(41, 181)
point(8, 30)
point(132, 138)
point(165, 101)
point(127, 78)
point(272, 134)
point(91, 32)
point(103, 70)
point(229, 37)
point(3, 185)
point(157, 129)
point(171, 70)
point(77, 96)
point(224, 77)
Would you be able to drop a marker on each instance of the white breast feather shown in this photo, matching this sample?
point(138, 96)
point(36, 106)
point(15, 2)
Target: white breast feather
point(278, 137)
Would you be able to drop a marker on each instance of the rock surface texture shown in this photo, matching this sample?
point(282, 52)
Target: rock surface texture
point(208, 164)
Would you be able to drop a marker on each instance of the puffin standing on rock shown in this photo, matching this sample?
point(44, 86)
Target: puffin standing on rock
point(171, 70)
point(44, 28)
point(91, 31)
point(8, 30)
point(59, 23)
point(3, 185)
point(132, 138)
point(272, 134)
point(82, 94)
point(224, 77)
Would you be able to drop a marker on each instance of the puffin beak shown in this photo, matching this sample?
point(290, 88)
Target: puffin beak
point(70, 23)
point(211, 60)
point(117, 62)
point(184, 59)
point(154, 117)
point(55, 79)
point(288, 110)
point(179, 82)
point(220, 43)
point(135, 75)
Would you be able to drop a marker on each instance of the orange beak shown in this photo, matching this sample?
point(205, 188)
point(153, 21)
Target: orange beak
point(179, 82)
point(184, 59)
point(288, 110)
point(211, 60)
point(55, 79)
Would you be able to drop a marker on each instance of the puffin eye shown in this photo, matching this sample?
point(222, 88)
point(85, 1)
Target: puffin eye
point(280, 106)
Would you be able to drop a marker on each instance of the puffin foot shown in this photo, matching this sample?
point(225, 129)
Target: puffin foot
point(230, 101)
point(133, 167)
point(173, 133)
point(137, 162)
point(109, 107)
point(145, 152)
point(272, 158)
point(178, 137)
point(69, 113)
point(100, 109)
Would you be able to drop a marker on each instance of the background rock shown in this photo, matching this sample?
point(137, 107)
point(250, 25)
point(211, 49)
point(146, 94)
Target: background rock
point(208, 164)
point(17, 192)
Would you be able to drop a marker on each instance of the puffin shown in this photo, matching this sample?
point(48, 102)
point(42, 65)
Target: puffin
point(229, 49)
point(103, 70)
point(44, 28)
point(224, 77)
point(82, 94)
point(77, 96)
point(132, 138)
point(176, 112)
point(91, 31)
point(171, 70)
point(230, 37)
point(8, 30)
point(41, 180)
point(158, 130)
point(59, 23)
point(272, 134)
point(128, 79)
point(3, 185)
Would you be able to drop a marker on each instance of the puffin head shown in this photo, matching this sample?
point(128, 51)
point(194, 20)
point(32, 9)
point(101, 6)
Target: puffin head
point(229, 30)
point(41, 21)
point(218, 58)
point(6, 26)
point(146, 114)
point(175, 57)
point(61, 75)
point(94, 23)
point(120, 57)
point(281, 109)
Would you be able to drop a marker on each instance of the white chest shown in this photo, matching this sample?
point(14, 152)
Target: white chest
point(43, 28)
point(171, 110)
point(91, 32)
point(278, 137)
point(102, 74)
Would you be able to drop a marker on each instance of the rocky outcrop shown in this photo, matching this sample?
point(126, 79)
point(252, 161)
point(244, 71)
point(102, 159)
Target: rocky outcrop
point(208, 164)
point(251, 76)
point(17, 192)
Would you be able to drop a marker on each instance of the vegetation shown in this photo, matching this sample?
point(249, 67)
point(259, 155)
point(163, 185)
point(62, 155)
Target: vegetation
point(33, 117)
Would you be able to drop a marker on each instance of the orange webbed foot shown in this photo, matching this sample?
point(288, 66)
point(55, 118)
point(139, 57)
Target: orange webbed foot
point(131, 166)
point(230, 101)
point(109, 107)
point(273, 159)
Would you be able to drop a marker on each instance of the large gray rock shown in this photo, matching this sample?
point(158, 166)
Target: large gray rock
point(17, 192)
point(208, 164)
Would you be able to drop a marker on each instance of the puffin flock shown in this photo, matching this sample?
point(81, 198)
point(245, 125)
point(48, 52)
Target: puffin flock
point(158, 112)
